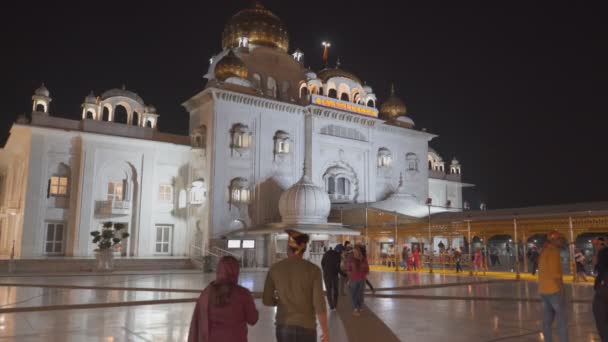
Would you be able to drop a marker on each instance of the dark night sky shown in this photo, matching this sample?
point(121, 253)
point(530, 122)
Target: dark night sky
point(517, 93)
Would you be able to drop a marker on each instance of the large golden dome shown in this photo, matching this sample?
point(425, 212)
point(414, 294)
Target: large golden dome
point(230, 66)
point(257, 24)
point(393, 107)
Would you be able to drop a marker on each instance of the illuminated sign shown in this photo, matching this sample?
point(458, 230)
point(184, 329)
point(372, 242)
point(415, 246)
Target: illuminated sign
point(344, 105)
point(234, 243)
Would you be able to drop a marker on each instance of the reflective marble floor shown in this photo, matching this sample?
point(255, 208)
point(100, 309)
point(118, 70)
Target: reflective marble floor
point(158, 307)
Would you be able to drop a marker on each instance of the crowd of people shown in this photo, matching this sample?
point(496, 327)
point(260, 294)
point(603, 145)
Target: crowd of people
point(295, 287)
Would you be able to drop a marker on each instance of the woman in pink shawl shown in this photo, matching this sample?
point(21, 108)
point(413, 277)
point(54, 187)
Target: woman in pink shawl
point(224, 308)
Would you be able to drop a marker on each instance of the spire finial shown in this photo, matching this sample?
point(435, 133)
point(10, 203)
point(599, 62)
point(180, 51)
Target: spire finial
point(338, 63)
point(124, 87)
point(392, 89)
point(326, 45)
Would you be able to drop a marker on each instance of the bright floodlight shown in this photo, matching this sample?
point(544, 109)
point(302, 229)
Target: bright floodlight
point(326, 44)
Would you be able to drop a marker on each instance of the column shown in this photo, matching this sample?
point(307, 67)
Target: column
point(517, 275)
point(525, 244)
point(469, 248)
point(395, 252)
point(572, 244)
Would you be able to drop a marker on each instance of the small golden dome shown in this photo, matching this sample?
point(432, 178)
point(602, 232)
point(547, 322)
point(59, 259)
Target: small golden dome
point(259, 26)
point(393, 107)
point(230, 66)
point(328, 73)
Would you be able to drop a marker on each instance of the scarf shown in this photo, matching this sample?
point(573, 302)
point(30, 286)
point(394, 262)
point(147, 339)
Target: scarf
point(227, 274)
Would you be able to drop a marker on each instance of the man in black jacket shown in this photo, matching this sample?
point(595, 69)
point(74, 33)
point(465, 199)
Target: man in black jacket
point(600, 300)
point(331, 268)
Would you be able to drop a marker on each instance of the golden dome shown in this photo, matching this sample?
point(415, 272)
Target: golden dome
point(257, 24)
point(230, 66)
point(328, 73)
point(393, 107)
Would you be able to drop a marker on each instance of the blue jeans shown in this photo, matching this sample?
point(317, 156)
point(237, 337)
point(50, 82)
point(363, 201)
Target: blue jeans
point(292, 333)
point(356, 292)
point(554, 307)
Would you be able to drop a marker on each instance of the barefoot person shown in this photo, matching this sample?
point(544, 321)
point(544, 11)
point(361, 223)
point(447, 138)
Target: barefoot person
point(224, 309)
point(600, 299)
point(551, 288)
point(331, 271)
point(358, 269)
point(294, 286)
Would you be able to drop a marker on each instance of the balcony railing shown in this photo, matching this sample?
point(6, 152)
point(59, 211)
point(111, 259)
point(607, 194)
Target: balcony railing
point(114, 208)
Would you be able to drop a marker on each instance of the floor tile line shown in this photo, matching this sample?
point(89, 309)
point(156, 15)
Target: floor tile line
point(477, 298)
point(97, 305)
point(503, 338)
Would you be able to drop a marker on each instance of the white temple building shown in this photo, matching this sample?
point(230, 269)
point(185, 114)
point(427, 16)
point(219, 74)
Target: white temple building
point(260, 118)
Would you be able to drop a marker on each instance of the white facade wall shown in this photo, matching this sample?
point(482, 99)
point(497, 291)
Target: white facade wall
point(90, 161)
point(268, 175)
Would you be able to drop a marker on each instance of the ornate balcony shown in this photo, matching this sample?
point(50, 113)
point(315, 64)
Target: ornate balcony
point(113, 208)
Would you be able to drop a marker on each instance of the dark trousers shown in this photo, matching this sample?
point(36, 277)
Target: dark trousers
point(458, 266)
point(331, 286)
point(292, 333)
point(600, 312)
point(343, 281)
point(534, 267)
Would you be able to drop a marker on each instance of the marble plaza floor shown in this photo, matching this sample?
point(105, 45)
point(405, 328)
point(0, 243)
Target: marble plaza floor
point(158, 306)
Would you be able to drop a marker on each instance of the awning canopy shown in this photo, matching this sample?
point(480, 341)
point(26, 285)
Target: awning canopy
point(279, 228)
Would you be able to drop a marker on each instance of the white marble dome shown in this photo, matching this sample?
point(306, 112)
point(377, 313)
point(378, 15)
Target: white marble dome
point(42, 91)
point(304, 203)
point(90, 99)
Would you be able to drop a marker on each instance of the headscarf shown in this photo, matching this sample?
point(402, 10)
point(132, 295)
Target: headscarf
point(297, 241)
point(339, 248)
point(227, 270)
point(226, 278)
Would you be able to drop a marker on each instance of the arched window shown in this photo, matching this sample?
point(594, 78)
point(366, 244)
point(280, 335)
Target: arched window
point(198, 192)
point(271, 87)
point(149, 123)
point(411, 160)
point(344, 97)
point(339, 184)
point(356, 98)
point(333, 93)
point(89, 115)
point(281, 143)
point(106, 114)
point(121, 115)
point(257, 80)
point(330, 185)
point(385, 159)
point(370, 103)
point(240, 137)
point(40, 108)
point(430, 164)
point(135, 119)
point(343, 186)
point(304, 92)
point(239, 191)
point(199, 137)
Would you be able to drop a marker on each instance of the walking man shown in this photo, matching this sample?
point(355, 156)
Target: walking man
point(294, 286)
point(600, 300)
point(533, 257)
point(331, 269)
point(551, 288)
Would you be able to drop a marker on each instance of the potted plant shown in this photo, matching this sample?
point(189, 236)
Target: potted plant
point(107, 239)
